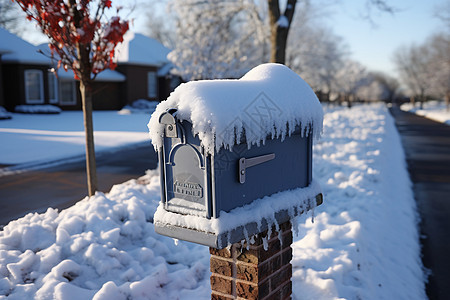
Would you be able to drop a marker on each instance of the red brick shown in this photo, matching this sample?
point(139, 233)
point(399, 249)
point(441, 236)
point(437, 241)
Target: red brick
point(247, 272)
point(264, 270)
point(264, 289)
point(273, 248)
point(225, 252)
point(286, 256)
point(221, 284)
point(275, 263)
point(280, 277)
point(250, 256)
point(287, 239)
point(247, 291)
point(286, 291)
point(286, 226)
point(220, 266)
point(259, 274)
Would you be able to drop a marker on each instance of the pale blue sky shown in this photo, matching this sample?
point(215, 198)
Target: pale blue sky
point(374, 45)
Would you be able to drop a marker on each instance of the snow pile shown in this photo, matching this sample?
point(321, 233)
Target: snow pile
point(139, 106)
point(4, 114)
point(362, 245)
point(270, 100)
point(37, 109)
point(435, 110)
point(101, 248)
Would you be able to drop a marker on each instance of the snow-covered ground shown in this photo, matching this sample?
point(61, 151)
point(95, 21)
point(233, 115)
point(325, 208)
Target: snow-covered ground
point(435, 110)
point(34, 138)
point(363, 243)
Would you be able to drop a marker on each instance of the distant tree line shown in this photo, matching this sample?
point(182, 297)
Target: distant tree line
point(425, 68)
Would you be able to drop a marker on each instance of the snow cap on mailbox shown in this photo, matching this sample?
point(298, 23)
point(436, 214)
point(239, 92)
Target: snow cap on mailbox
point(235, 156)
point(271, 100)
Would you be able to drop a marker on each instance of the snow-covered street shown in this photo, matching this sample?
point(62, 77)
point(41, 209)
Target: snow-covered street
point(363, 243)
point(434, 110)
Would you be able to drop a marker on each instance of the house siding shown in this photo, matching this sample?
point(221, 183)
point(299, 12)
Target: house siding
point(15, 81)
point(105, 96)
point(136, 85)
point(2, 98)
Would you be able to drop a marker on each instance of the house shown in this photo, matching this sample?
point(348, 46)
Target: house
point(144, 63)
point(142, 73)
point(24, 73)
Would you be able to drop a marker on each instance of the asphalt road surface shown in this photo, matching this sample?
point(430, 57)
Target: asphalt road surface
point(427, 150)
point(63, 185)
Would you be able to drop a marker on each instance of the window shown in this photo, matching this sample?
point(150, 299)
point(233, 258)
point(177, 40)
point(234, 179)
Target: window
point(34, 87)
point(52, 88)
point(67, 92)
point(152, 86)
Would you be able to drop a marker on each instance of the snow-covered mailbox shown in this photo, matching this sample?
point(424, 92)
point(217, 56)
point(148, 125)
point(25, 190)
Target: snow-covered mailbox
point(235, 155)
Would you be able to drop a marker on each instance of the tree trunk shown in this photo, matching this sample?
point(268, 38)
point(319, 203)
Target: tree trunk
point(91, 171)
point(279, 29)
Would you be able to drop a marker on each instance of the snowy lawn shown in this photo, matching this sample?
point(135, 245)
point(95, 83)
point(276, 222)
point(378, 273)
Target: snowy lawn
point(363, 243)
point(435, 110)
point(34, 138)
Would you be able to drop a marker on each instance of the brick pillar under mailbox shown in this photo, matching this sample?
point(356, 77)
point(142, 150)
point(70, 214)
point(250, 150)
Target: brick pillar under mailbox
point(238, 273)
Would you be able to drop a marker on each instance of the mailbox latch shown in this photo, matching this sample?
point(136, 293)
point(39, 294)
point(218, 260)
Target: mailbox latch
point(168, 119)
point(245, 163)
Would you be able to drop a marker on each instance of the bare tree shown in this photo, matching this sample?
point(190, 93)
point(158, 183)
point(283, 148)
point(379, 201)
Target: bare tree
point(316, 54)
point(350, 78)
point(439, 64)
point(441, 44)
point(412, 66)
point(280, 23)
point(425, 69)
point(9, 17)
point(161, 23)
point(390, 85)
point(214, 38)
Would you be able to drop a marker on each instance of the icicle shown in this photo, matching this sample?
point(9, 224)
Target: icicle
point(265, 243)
point(219, 240)
point(269, 230)
point(259, 225)
point(294, 224)
point(312, 209)
point(252, 240)
point(280, 238)
point(246, 238)
point(229, 238)
point(277, 228)
point(175, 241)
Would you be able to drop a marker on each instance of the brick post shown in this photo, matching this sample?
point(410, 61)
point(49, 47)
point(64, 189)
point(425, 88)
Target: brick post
point(238, 273)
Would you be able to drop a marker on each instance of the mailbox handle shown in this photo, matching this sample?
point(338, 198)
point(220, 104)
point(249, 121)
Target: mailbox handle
point(245, 163)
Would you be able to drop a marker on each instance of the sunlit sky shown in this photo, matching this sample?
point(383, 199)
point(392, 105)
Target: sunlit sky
point(374, 44)
point(370, 43)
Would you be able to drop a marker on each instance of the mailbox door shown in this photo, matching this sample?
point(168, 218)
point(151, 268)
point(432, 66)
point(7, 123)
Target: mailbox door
point(185, 166)
point(290, 168)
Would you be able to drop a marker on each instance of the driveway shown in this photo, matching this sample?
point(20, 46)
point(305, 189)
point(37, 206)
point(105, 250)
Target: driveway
point(63, 185)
